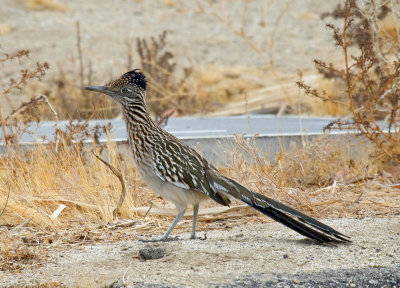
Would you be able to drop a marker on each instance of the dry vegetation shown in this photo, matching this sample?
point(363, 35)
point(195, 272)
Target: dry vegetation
point(171, 91)
point(66, 94)
point(44, 4)
point(370, 75)
point(320, 177)
point(176, 90)
point(166, 93)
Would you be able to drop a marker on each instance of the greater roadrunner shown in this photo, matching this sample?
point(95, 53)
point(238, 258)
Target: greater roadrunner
point(179, 174)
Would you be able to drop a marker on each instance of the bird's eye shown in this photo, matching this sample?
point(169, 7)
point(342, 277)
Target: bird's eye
point(124, 90)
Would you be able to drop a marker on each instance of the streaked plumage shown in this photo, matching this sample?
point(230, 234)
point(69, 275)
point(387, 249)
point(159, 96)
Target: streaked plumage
point(179, 174)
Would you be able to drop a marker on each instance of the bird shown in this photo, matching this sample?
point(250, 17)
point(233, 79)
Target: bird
point(179, 174)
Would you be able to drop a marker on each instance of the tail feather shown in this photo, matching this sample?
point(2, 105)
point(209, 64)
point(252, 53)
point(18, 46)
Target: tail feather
point(291, 218)
point(296, 225)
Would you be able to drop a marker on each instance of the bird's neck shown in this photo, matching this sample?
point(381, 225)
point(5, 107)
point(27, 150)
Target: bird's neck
point(136, 113)
point(140, 127)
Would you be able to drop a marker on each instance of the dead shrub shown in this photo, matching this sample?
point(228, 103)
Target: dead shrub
point(26, 75)
point(370, 74)
point(169, 90)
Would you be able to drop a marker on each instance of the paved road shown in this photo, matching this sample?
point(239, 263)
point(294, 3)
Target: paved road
point(212, 136)
point(367, 278)
point(379, 277)
point(201, 127)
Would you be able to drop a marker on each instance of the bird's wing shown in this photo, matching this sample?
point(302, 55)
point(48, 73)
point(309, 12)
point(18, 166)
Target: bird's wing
point(185, 168)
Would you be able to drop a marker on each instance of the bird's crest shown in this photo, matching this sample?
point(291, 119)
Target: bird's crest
point(134, 78)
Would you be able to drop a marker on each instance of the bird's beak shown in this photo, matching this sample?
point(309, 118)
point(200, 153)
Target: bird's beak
point(101, 89)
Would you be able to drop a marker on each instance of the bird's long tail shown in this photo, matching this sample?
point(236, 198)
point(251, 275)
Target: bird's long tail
point(291, 218)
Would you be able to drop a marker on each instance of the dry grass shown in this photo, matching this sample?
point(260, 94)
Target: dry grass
point(318, 178)
point(17, 255)
point(35, 183)
point(223, 85)
point(266, 54)
point(40, 180)
point(44, 4)
point(70, 100)
point(66, 92)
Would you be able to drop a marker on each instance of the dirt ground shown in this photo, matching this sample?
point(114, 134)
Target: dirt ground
point(255, 254)
point(197, 39)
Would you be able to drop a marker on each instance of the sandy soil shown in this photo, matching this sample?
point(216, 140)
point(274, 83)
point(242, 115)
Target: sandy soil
point(262, 252)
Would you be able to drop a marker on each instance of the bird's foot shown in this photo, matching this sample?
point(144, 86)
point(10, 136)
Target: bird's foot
point(161, 239)
point(193, 237)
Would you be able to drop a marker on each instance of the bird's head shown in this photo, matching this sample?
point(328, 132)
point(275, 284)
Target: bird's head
point(129, 88)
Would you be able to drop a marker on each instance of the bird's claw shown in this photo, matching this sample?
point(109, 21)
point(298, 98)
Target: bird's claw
point(193, 237)
point(161, 239)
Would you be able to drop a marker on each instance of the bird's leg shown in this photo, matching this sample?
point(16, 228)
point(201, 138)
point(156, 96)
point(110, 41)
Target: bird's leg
point(195, 211)
point(166, 234)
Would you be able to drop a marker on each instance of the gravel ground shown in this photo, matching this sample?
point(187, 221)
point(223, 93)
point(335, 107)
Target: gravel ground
point(255, 255)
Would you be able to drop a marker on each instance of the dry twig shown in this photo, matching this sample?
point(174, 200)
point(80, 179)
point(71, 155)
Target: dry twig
point(121, 180)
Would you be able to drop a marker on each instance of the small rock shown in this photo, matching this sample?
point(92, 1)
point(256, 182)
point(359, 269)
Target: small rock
point(117, 284)
point(151, 253)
